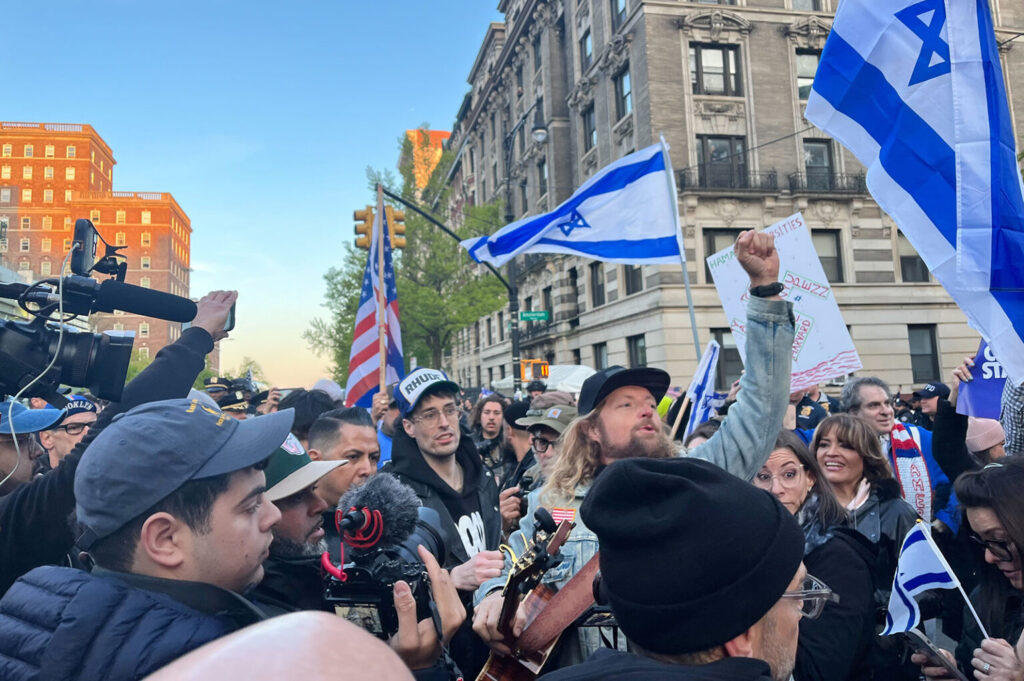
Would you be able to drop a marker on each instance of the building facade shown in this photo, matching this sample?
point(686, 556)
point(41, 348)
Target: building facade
point(51, 174)
point(726, 84)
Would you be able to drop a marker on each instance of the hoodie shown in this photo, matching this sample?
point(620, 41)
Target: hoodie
point(615, 664)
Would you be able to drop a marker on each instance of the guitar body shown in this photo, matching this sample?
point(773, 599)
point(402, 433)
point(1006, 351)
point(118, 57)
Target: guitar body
point(519, 667)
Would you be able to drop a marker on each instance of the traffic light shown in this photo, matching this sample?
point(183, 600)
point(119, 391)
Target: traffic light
point(364, 229)
point(396, 226)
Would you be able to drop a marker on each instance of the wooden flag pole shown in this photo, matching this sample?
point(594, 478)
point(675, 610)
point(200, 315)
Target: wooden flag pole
point(382, 314)
point(679, 417)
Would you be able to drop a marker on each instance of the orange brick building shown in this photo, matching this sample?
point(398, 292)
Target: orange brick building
point(54, 173)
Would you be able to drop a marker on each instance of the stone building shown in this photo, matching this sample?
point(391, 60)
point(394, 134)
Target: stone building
point(725, 83)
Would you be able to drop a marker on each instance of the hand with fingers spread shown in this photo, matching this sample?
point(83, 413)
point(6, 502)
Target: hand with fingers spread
point(212, 312)
point(996, 660)
point(756, 253)
point(416, 642)
point(478, 569)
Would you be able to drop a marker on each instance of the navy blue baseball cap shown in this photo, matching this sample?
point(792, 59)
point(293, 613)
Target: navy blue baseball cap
point(413, 387)
point(26, 420)
point(152, 450)
point(77, 404)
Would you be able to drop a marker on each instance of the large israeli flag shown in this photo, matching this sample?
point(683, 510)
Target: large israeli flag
point(626, 213)
point(921, 568)
point(915, 90)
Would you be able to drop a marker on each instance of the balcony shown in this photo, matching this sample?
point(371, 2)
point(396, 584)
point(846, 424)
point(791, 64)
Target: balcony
point(825, 182)
point(724, 179)
point(536, 330)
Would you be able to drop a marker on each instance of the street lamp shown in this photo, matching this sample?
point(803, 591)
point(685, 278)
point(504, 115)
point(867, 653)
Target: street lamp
point(539, 133)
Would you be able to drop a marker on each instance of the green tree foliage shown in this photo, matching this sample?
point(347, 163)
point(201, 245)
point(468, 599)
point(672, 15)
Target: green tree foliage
point(247, 364)
point(138, 363)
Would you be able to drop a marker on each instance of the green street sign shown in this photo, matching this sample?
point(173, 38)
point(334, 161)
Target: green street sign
point(534, 315)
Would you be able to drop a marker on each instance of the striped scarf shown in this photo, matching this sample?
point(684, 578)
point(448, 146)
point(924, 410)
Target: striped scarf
point(911, 471)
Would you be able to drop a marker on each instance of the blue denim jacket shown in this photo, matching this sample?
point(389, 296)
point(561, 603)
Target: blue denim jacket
point(741, 445)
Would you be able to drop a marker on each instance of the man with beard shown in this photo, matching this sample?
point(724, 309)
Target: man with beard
point(618, 419)
point(487, 426)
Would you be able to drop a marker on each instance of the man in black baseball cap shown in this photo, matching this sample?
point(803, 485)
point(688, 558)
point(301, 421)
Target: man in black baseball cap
point(930, 395)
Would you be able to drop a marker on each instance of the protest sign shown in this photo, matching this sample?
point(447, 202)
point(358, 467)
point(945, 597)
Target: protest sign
point(822, 348)
point(983, 395)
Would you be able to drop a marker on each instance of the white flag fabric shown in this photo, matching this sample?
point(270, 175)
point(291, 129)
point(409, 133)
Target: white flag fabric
point(921, 567)
point(626, 213)
point(914, 89)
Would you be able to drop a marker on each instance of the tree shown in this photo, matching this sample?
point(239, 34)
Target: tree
point(249, 364)
point(137, 363)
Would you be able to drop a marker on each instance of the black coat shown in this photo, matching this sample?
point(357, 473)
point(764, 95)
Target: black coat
point(615, 664)
point(288, 585)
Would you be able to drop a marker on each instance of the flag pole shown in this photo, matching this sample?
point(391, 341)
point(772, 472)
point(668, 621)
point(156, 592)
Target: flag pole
point(942, 559)
point(382, 319)
point(682, 250)
point(679, 417)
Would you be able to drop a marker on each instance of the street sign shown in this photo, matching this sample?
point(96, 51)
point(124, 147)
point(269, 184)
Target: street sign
point(534, 315)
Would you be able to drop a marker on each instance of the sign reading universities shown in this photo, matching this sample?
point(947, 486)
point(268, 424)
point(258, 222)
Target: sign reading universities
point(822, 348)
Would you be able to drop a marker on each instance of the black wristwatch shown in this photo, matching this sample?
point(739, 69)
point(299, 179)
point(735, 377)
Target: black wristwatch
point(768, 290)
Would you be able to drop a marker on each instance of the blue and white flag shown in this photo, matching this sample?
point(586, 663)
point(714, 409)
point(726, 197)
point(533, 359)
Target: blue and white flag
point(702, 388)
point(626, 213)
point(915, 90)
point(921, 567)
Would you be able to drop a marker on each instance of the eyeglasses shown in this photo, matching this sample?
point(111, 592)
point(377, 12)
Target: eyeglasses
point(1000, 549)
point(813, 597)
point(432, 417)
point(541, 444)
point(74, 428)
point(787, 478)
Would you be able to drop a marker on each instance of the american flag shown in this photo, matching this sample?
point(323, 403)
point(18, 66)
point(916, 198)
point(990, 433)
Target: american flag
point(364, 360)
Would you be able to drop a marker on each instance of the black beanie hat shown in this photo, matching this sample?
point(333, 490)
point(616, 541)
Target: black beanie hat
point(691, 556)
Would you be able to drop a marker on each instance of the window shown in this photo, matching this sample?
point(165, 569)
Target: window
point(714, 70)
point(618, 13)
point(476, 334)
point(45, 268)
point(807, 5)
point(145, 239)
point(912, 267)
point(3, 245)
point(69, 173)
point(146, 217)
point(634, 279)
point(48, 151)
point(26, 195)
point(67, 245)
point(118, 326)
point(26, 245)
point(818, 164)
point(589, 128)
point(143, 330)
point(601, 356)
point(144, 282)
point(924, 356)
point(47, 196)
point(92, 177)
point(5, 195)
point(5, 173)
point(586, 51)
point(596, 284)
point(28, 151)
point(67, 195)
point(48, 173)
point(120, 239)
point(5, 222)
point(47, 222)
point(723, 161)
point(519, 79)
point(94, 215)
point(67, 224)
point(806, 67)
point(637, 346)
point(490, 331)
point(545, 296)
point(538, 56)
point(26, 173)
point(714, 241)
point(26, 223)
point(523, 202)
point(542, 177)
point(730, 366)
point(70, 151)
point(490, 375)
point(623, 94)
point(121, 217)
point(826, 243)
point(143, 352)
point(144, 263)
point(7, 150)
point(24, 265)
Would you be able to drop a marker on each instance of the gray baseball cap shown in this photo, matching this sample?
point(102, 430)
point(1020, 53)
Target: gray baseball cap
point(150, 451)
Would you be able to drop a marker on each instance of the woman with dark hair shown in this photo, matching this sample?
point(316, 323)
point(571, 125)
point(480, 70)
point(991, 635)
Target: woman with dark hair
point(993, 504)
point(835, 646)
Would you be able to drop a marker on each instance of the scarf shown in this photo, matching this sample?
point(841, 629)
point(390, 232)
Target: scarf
point(815, 532)
point(911, 471)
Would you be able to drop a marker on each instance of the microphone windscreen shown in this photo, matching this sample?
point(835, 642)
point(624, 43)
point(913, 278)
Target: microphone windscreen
point(115, 295)
point(397, 503)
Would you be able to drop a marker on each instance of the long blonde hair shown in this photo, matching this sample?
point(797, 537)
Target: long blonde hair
point(579, 457)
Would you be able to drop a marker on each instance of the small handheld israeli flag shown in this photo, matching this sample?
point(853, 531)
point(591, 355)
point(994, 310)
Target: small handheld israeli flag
point(702, 388)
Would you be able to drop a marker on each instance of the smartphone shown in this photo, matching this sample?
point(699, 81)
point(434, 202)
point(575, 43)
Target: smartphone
point(229, 324)
point(922, 644)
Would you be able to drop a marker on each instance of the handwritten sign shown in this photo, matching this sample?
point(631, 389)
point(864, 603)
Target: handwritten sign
point(822, 348)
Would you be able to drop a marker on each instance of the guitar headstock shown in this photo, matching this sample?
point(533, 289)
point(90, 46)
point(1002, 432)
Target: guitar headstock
point(541, 555)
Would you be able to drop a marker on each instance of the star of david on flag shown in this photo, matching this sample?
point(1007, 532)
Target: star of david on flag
point(915, 89)
point(575, 221)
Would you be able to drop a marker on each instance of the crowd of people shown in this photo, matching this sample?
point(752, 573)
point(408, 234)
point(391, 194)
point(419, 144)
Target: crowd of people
point(182, 533)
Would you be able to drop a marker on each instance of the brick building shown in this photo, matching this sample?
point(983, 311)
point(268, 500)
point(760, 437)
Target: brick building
point(54, 173)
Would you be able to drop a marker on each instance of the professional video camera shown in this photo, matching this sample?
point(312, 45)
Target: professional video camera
point(46, 353)
point(381, 524)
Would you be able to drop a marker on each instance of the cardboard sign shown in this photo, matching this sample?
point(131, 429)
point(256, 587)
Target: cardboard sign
point(982, 397)
point(822, 348)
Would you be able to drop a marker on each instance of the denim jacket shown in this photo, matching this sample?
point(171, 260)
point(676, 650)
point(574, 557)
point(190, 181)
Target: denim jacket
point(741, 445)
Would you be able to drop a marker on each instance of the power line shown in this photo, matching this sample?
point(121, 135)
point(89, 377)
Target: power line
point(1010, 39)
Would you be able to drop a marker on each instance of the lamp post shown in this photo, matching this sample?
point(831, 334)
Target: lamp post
point(539, 133)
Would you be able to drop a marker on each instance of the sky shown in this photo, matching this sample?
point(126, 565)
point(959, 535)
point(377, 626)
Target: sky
point(260, 118)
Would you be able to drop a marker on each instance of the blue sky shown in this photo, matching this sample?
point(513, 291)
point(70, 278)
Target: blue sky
point(260, 118)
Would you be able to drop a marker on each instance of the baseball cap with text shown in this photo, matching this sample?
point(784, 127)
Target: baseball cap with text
point(413, 387)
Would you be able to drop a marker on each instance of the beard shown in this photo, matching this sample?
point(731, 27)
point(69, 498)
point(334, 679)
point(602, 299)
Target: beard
point(656, 447)
point(779, 654)
point(287, 548)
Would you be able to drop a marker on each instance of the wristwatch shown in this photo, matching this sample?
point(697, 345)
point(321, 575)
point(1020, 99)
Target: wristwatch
point(767, 290)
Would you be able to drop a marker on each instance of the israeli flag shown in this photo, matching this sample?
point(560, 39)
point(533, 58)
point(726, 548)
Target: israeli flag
point(626, 213)
point(921, 567)
point(915, 90)
point(702, 388)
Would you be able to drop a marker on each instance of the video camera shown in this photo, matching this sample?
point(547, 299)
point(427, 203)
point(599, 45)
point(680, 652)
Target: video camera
point(95, 361)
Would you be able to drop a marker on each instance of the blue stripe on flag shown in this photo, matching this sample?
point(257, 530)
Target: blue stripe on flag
point(616, 180)
point(912, 153)
point(938, 579)
point(621, 248)
point(917, 536)
point(1007, 202)
point(910, 604)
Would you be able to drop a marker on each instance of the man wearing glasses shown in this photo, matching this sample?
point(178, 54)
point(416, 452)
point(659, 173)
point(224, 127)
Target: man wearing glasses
point(59, 439)
point(729, 608)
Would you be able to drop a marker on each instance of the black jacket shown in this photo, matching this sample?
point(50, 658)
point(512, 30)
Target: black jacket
point(290, 584)
point(835, 646)
point(34, 527)
point(408, 465)
point(615, 664)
